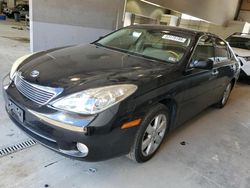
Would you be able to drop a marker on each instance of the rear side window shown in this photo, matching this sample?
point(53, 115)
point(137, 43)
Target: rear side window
point(221, 51)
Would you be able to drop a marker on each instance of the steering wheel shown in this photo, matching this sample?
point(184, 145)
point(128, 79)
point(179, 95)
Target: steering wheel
point(174, 54)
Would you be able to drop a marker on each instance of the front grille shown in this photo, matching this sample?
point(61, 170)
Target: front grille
point(36, 93)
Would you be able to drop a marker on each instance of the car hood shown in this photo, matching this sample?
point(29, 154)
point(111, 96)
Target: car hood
point(241, 52)
point(88, 66)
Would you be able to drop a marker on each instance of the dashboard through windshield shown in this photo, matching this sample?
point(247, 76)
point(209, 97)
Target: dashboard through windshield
point(157, 44)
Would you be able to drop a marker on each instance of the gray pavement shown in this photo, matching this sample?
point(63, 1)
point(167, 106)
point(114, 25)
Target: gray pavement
point(11, 48)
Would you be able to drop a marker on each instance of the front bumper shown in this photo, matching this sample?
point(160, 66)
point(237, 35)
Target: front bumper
point(61, 131)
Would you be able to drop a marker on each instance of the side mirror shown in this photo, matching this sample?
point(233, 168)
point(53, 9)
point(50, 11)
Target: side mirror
point(202, 64)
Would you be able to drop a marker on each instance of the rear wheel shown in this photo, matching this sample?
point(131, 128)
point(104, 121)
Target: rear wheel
point(150, 135)
point(225, 97)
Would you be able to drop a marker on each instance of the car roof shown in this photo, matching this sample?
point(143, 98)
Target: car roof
point(171, 28)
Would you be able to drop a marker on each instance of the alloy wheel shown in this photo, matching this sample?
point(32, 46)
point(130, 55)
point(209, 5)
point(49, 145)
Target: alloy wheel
point(154, 135)
point(226, 94)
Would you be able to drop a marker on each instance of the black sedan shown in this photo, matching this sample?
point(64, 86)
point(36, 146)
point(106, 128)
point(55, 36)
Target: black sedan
point(121, 94)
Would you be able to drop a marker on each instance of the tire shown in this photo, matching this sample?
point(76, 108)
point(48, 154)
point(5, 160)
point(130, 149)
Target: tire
point(156, 136)
point(225, 96)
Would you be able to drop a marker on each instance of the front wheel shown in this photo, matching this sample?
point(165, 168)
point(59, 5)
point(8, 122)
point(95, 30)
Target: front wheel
point(150, 135)
point(225, 97)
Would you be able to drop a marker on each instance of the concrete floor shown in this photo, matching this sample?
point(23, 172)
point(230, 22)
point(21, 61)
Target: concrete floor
point(216, 154)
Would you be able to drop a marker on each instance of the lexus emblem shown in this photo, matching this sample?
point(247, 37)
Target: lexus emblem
point(34, 73)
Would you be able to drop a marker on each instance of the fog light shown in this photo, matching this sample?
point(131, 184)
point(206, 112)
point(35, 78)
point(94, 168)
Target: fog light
point(82, 148)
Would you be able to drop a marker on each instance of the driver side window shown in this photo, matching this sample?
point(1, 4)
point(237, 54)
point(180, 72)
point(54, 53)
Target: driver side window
point(204, 50)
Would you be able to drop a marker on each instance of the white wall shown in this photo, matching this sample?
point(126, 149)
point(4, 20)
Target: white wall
point(194, 24)
point(171, 20)
point(62, 22)
point(10, 3)
point(141, 8)
point(230, 28)
point(216, 11)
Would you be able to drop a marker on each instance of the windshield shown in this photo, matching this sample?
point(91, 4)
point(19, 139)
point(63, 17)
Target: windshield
point(156, 44)
point(239, 42)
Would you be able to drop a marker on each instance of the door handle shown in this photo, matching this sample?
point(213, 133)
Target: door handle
point(215, 72)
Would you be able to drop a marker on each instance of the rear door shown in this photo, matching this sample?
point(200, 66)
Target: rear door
point(224, 66)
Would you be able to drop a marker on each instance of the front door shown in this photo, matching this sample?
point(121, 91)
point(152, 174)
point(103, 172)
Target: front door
point(200, 86)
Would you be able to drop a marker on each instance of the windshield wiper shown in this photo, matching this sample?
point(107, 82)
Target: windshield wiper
point(99, 44)
point(112, 48)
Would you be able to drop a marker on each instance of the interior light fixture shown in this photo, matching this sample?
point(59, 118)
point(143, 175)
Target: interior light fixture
point(189, 17)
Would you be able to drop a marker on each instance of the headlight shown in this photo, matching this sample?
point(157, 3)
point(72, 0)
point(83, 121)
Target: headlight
point(96, 100)
point(16, 64)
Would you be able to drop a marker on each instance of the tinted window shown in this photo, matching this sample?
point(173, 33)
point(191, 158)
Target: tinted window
point(239, 42)
point(204, 50)
point(221, 51)
point(157, 44)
